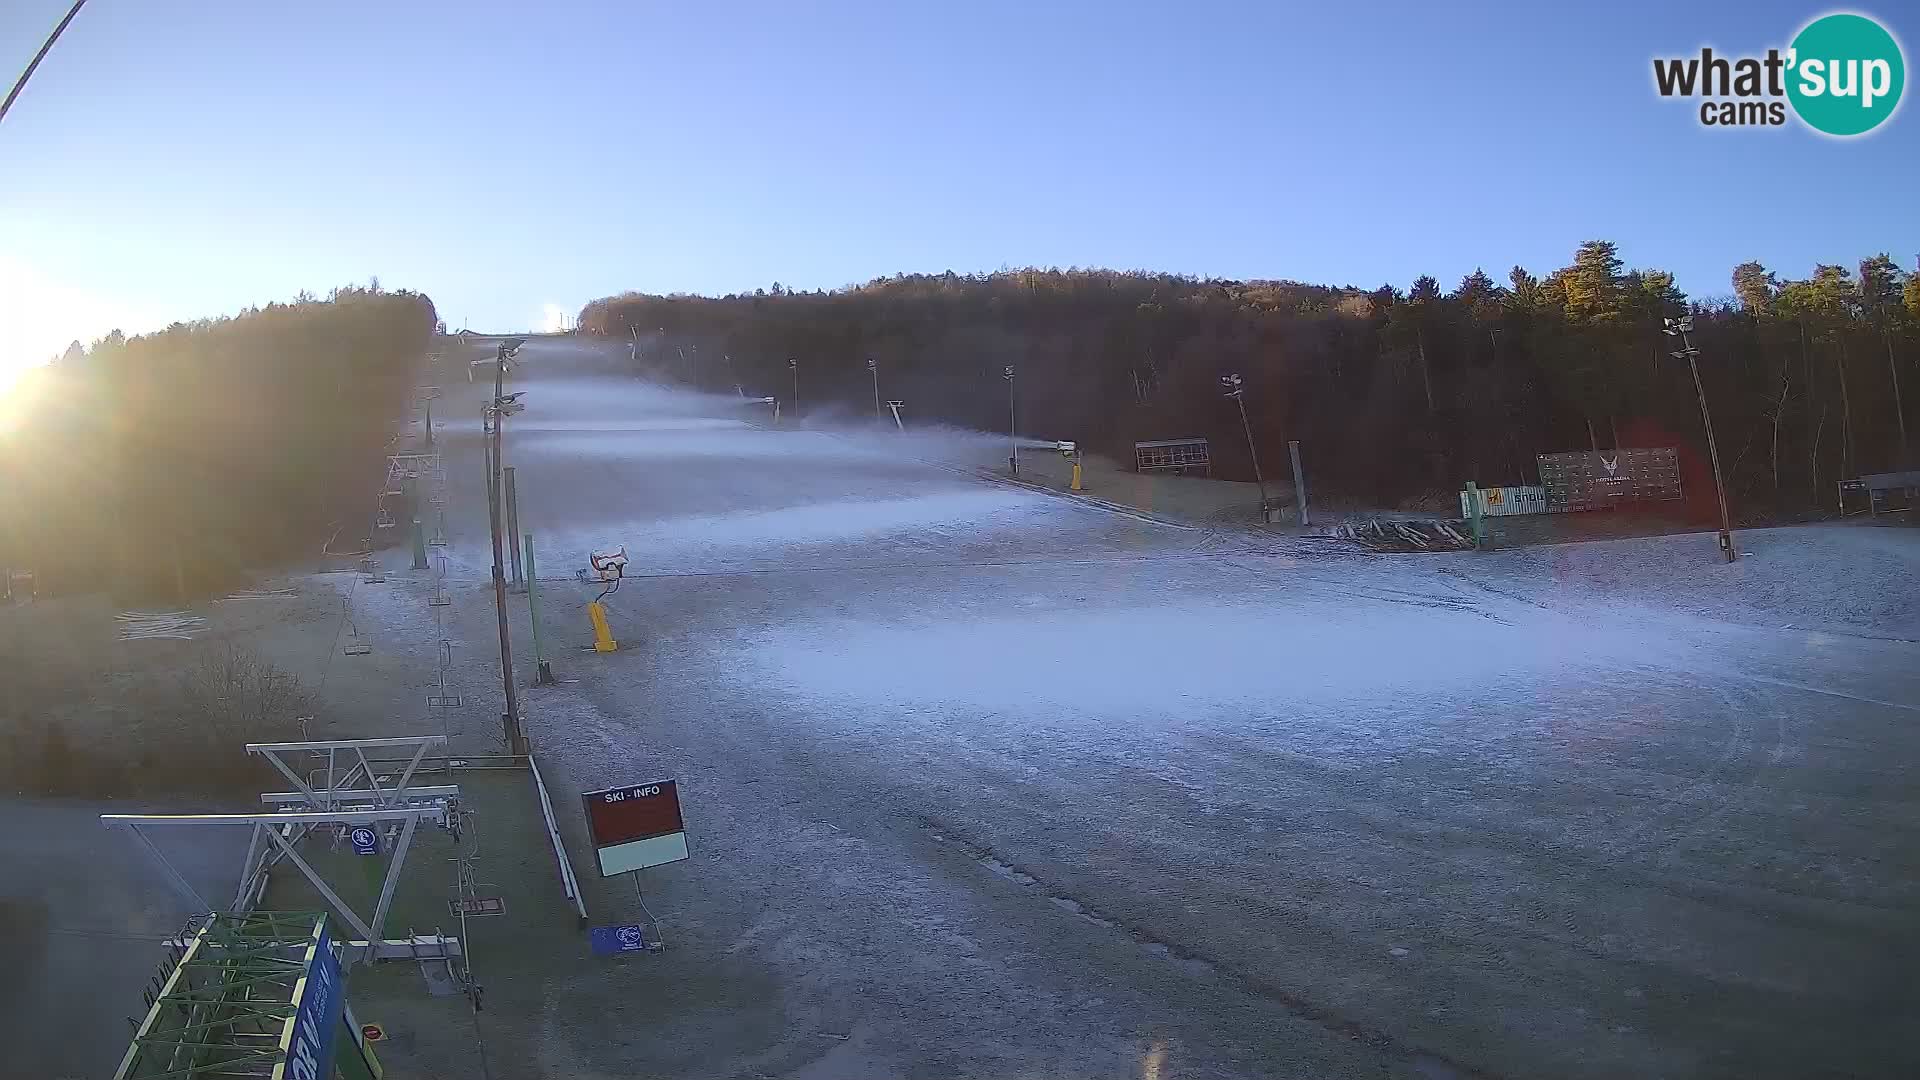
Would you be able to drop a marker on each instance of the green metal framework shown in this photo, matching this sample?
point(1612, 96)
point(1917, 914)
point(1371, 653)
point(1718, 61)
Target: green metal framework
point(227, 1006)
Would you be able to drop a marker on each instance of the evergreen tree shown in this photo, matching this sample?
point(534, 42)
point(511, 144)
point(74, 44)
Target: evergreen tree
point(1754, 285)
point(1524, 294)
point(1478, 296)
point(1592, 283)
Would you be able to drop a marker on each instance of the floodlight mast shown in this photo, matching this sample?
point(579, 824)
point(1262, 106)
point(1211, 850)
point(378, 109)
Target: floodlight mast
point(1013, 441)
point(1682, 328)
point(496, 411)
point(1235, 390)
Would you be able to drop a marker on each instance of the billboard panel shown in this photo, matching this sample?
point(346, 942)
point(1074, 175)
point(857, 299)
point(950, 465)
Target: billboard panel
point(1602, 480)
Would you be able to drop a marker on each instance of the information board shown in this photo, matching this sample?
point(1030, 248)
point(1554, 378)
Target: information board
point(637, 826)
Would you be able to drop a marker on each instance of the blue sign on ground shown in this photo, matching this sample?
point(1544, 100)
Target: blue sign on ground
point(365, 840)
point(613, 940)
point(317, 1014)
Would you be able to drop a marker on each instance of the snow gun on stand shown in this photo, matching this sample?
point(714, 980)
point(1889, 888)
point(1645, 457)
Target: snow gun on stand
point(1072, 450)
point(610, 567)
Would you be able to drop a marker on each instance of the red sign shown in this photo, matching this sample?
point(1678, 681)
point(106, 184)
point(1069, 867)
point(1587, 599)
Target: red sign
point(637, 826)
point(372, 1032)
point(621, 815)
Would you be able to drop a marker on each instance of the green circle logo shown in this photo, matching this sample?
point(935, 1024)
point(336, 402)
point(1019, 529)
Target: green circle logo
point(1846, 74)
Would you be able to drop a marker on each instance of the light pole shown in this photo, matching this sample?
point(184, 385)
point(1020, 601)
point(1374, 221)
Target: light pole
point(1680, 328)
point(1234, 391)
point(874, 369)
point(497, 410)
point(794, 364)
point(1013, 441)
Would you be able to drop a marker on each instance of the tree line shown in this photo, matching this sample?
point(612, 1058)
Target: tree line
point(1392, 392)
point(170, 463)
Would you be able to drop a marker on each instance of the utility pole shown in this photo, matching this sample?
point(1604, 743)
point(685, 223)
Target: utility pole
point(1680, 328)
point(874, 368)
point(794, 364)
point(1235, 391)
point(491, 419)
point(1013, 441)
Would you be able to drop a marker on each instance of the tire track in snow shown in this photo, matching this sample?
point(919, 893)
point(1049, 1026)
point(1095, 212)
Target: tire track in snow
point(1197, 965)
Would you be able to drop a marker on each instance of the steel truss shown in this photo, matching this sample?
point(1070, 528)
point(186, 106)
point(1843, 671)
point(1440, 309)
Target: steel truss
point(283, 832)
point(226, 1005)
point(353, 783)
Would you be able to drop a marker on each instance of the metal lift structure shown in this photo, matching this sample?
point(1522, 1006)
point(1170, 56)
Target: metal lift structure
point(348, 792)
point(253, 995)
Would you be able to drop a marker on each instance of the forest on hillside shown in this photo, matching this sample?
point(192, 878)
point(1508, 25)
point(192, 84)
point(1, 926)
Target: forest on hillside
point(1392, 392)
point(172, 462)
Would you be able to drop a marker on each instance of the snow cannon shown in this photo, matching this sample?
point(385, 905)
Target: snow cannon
point(1072, 450)
point(609, 567)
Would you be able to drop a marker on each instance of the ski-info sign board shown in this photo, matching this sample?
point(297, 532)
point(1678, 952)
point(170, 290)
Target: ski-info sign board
point(637, 826)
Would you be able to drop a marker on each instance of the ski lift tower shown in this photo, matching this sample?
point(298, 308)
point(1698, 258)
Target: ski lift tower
point(260, 994)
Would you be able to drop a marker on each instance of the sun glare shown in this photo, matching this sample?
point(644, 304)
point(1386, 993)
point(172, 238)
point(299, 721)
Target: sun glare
point(21, 384)
point(43, 316)
point(12, 370)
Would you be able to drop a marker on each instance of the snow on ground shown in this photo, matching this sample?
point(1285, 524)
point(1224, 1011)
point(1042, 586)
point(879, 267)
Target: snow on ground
point(668, 423)
point(687, 484)
point(1164, 657)
point(781, 531)
point(609, 397)
point(1858, 579)
point(664, 443)
point(1417, 804)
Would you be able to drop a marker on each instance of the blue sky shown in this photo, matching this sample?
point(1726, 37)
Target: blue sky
point(178, 158)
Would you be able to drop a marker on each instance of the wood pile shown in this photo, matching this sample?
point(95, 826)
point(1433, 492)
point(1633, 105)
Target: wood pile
point(1380, 534)
point(149, 625)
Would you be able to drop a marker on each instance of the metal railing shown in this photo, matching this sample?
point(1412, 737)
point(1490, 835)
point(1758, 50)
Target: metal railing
point(568, 882)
